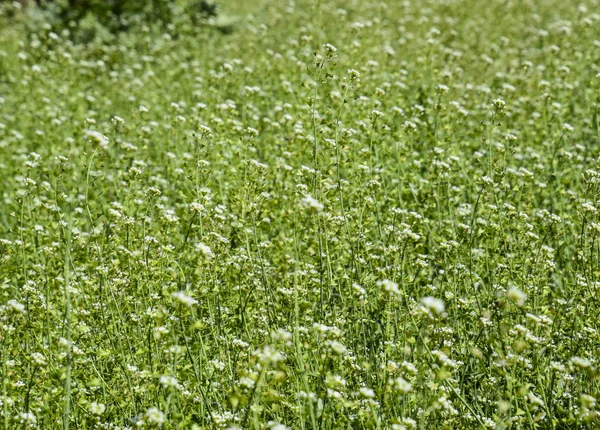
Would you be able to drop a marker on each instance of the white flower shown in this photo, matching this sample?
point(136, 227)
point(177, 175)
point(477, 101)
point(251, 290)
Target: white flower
point(205, 130)
point(158, 332)
point(330, 48)
point(568, 128)
point(517, 296)
point(588, 207)
point(204, 250)
point(498, 104)
point(97, 408)
point(281, 335)
point(433, 305)
point(97, 137)
point(269, 355)
point(338, 348)
point(16, 306)
point(117, 120)
point(377, 114)
point(582, 363)
point(389, 287)
point(400, 384)
point(277, 426)
point(409, 125)
point(184, 299)
point(168, 381)
point(155, 416)
point(38, 358)
point(367, 392)
point(28, 418)
point(354, 74)
point(587, 401)
point(310, 202)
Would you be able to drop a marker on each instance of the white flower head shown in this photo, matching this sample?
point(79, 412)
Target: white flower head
point(184, 299)
point(155, 416)
point(330, 48)
point(277, 426)
point(117, 120)
point(366, 392)
point(498, 104)
point(97, 138)
point(205, 250)
point(401, 385)
point(568, 128)
point(269, 355)
point(390, 287)
point(354, 74)
point(168, 381)
point(517, 296)
point(338, 347)
point(97, 408)
point(433, 305)
point(16, 306)
point(581, 363)
point(310, 202)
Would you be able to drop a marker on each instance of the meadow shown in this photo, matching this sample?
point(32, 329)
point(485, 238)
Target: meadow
point(324, 214)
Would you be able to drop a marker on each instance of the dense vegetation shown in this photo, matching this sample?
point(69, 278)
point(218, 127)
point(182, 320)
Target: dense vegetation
point(335, 214)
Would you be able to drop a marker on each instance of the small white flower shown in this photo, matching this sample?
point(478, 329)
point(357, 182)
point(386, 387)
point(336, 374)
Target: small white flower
point(97, 137)
point(330, 48)
point(205, 130)
point(117, 120)
point(588, 207)
point(433, 305)
point(16, 306)
point(409, 126)
point(366, 392)
point(205, 250)
point(498, 104)
point(377, 114)
point(587, 401)
point(155, 416)
point(389, 287)
point(401, 385)
point(97, 408)
point(517, 296)
point(354, 74)
point(269, 355)
point(158, 332)
point(338, 348)
point(568, 128)
point(310, 202)
point(38, 358)
point(168, 381)
point(487, 180)
point(582, 363)
point(277, 426)
point(184, 299)
point(28, 418)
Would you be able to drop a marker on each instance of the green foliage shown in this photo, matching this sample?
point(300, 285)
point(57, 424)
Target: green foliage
point(344, 214)
point(89, 19)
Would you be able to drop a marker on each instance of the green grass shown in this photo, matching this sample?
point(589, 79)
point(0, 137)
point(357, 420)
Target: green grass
point(344, 214)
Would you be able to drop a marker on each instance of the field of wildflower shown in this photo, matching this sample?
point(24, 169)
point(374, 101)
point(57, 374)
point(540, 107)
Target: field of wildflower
point(315, 214)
